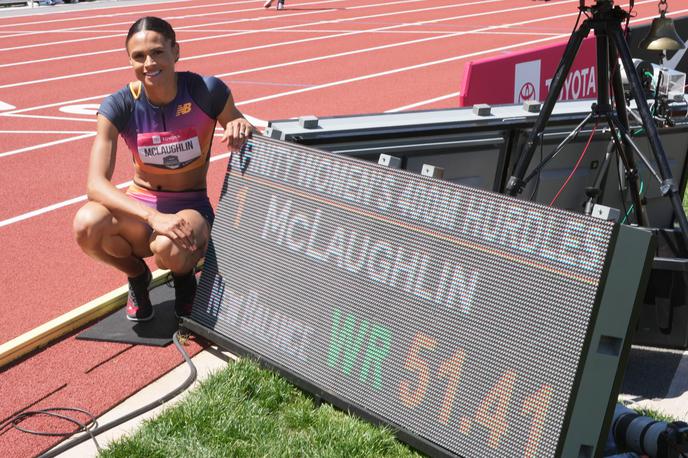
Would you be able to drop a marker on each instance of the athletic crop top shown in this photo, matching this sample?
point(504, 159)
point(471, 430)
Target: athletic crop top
point(168, 139)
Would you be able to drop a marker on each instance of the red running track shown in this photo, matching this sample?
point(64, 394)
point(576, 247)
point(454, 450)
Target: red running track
point(327, 57)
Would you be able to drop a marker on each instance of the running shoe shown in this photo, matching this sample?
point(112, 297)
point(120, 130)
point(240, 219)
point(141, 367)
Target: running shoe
point(267, 4)
point(139, 307)
point(185, 293)
point(280, 5)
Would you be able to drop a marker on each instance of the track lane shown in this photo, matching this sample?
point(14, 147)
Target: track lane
point(113, 46)
point(42, 248)
point(365, 95)
point(199, 53)
point(353, 105)
point(90, 79)
point(218, 16)
point(77, 17)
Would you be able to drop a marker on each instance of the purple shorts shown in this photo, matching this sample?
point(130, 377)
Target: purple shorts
point(173, 202)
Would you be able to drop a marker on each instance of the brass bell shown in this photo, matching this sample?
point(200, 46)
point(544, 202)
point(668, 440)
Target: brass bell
point(662, 36)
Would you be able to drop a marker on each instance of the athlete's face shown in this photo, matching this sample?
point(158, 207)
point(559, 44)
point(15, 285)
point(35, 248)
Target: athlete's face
point(152, 57)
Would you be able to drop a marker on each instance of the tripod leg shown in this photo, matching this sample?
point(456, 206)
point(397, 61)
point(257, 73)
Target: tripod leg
point(621, 119)
point(668, 186)
point(615, 126)
point(515, 184)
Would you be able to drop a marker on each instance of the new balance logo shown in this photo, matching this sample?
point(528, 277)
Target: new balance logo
point(183, 109)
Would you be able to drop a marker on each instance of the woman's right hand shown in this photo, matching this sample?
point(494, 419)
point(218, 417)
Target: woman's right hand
point(174, 227)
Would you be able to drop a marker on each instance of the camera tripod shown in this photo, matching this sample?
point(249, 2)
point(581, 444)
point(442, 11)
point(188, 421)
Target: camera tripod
point(605, 19)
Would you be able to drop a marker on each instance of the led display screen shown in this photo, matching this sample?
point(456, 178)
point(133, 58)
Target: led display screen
point(459, 316)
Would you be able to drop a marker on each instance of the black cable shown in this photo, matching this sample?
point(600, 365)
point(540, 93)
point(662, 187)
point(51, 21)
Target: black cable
point(16, 420)
point(50, 412)
point(158, 402)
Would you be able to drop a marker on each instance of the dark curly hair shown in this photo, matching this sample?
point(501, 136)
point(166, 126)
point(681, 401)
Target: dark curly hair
point(156, 25)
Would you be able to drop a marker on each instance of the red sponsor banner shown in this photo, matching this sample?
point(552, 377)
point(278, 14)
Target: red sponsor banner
point(520, 76)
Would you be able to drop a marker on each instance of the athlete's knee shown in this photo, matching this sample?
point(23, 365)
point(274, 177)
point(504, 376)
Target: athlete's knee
point(181, 262)
point(171, 256)
point(89, 225)
point(162, 245)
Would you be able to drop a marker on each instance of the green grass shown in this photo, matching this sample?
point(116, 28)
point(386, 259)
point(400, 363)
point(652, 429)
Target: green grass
point(245, 411)
point(655, 414)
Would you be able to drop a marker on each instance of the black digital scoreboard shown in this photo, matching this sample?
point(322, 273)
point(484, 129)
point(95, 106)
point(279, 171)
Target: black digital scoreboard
point(474, 324)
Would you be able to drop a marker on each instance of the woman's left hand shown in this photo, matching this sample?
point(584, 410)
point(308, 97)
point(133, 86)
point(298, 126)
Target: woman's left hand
point(236, 133)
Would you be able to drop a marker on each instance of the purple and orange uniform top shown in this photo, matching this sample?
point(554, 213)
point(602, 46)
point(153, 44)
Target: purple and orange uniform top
point(173, 138)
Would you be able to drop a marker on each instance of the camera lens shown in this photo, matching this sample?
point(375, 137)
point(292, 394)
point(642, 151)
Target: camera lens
point(639, 433)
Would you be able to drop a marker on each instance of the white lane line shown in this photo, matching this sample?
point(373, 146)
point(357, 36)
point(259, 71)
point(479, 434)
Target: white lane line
point(257, 122)
point(54, 104)
point(47, 209)
point(59, 132)
point(45, 145)
point(172, 18)
point(122, 32)
point(75, 200)
point(126, 13)
point(53, 12)
point(85, 109)
point(424, 102)
point(74, 40)
point(56, 118)
point(389, 72)
point(70, 56)
point(383, 32)
point(227, 34)
point(73, 75)
point(202, 56)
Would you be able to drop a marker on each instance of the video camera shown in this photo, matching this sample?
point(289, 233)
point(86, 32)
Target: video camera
point(657, 439)
point(664, 89)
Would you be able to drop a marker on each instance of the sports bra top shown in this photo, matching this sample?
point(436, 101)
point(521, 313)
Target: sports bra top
point(173, 138)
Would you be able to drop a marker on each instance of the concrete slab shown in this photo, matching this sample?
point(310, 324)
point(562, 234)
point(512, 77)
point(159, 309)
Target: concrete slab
point(207, 362)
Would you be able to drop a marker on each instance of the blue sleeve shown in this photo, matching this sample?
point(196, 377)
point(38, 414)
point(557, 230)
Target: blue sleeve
point(209, 93)
point(117, 108)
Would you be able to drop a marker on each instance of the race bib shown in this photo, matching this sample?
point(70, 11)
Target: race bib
point(169, 150)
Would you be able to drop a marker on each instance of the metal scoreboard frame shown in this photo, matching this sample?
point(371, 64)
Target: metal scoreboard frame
point(470, 322)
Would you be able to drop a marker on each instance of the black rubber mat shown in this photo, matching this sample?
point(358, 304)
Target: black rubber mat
point(156, 332)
